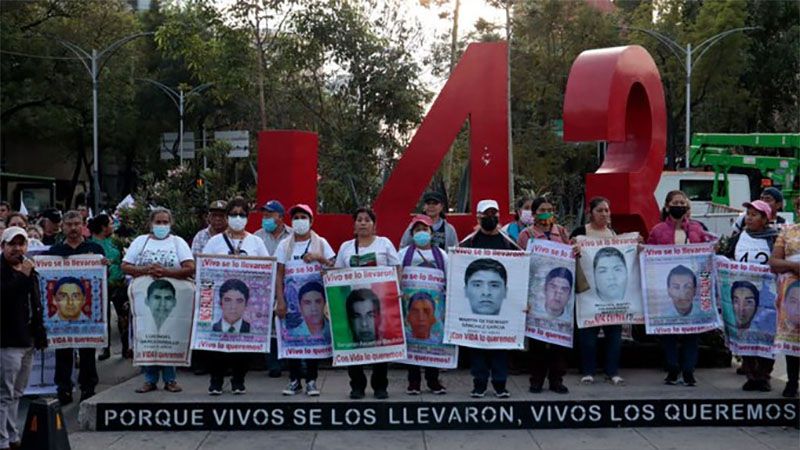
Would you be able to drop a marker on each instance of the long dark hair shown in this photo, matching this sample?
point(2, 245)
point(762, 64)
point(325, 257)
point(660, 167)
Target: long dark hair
point(98, 223)
point(670, 196)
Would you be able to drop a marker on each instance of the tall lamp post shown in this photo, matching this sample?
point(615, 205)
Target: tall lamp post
point(94, 63)
point(688, 61)
point(178, 98)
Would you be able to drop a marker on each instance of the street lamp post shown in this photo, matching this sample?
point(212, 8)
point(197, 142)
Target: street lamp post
point(178, 98)
point(94, 63)
point(688, 61)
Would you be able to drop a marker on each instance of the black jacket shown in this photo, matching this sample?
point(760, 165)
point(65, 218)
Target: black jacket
point(21, 312)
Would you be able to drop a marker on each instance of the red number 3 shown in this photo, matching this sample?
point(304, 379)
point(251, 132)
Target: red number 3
point(616, 95)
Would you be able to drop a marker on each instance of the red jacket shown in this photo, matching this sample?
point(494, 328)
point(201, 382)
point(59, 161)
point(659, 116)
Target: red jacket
point(664, 232)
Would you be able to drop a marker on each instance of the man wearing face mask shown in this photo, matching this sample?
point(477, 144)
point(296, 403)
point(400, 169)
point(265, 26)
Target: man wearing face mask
point(235, 240)
point(217, 223)
point(483, 362)
point(273, 230)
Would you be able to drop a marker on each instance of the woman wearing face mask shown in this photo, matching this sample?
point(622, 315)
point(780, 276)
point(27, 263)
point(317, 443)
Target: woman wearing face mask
point(547, 360)
point(304, 249)
point(235, 240)
point(599, 227)
point(544, 225)
point(101, 228)
point(159, 254)
point(524, 218)
point(367, 250)
point(676, 228)
point(422, 253)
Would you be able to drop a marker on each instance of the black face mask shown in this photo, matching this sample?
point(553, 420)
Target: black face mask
point(677, 211)
point(489, 223)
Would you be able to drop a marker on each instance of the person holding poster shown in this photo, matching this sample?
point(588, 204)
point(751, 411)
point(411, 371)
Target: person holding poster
point(301, 259)
point(676, 227)
point(70, 296)
point(599, 227)
point(485, 287)
point(159, 254)
point(443, 234)
point(547, 360)
point(366, 250)
point(785, 261)
point(423, 306)
point(752, 245)
point(21, 328)
point(234, 296)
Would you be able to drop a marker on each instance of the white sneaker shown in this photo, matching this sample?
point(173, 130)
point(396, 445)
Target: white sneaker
point(293, 388)
point(311, 388)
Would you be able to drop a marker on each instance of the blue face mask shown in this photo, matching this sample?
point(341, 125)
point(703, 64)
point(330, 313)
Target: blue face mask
point(161, 231)
point(269, 225)
point(422, 238)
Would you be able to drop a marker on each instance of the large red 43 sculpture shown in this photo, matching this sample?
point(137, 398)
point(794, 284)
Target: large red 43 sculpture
point(627, 110)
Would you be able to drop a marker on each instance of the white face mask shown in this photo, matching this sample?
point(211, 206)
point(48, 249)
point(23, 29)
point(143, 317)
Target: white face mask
point(301, 226)
point(237, 223)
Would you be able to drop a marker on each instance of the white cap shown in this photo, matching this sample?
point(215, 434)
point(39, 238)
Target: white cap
point(11, 232)
point(484, 205)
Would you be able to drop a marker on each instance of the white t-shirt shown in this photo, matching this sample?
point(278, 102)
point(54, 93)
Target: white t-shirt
point(380, 253)
point(300, 250)
point(422, 257)
point(168, 252)
point(750, 250)
point(251, 245)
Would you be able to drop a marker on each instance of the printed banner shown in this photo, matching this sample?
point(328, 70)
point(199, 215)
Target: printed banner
point(234, 300)
point(612, 272)
point(487, 295)
point(74, 299)
point(43, 372)
point(424, 312)
point(366, 318)
point(787, 336)
point(306, 330)
point(747, 295)
point(163, 312)
point(678, 288)
point(551, 294)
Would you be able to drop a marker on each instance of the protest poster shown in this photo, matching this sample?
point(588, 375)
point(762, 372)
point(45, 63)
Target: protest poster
point(424, 301)
point(678, 288)
point(746, 293)
point(366, 317)
point(305, 332)
point(611, 268)
point(787, 335)
point(163, 312)
point(74, 300)
point(234, 300)
point(551, 293)
point(43, 372)
point(487, 295)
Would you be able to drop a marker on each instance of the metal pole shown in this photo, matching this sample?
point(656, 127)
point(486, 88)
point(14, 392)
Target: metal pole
point(180, 136)
point(95, 148)
point(688, 103)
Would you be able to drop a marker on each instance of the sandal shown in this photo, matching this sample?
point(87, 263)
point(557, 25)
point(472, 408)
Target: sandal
point(587, 379)
point(172, 386)
point(617, 380)
point(146, 387)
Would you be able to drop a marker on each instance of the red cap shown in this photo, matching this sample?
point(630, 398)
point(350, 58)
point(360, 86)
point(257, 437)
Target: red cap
point(302, 207)
point(421, 218)
point(760, 206)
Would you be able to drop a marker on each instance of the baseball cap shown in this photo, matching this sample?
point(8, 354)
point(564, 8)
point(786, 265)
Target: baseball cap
point(421, 218)
point(302, 207)
point(485, 205)
point(274, 206)
point(759, 205)
point(774, 193)
point(218, 205)
point(11, 232)
point(433, 196)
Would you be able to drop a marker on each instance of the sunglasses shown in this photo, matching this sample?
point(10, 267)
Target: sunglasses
point(243, 215)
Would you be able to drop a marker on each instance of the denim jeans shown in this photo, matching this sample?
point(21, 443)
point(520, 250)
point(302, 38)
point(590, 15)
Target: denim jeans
point(588, 343)
point(682, 360)
point(151, 373)
point(484, 362)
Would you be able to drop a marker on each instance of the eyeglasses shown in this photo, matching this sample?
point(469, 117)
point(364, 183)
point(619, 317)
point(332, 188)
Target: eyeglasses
point(242, 215)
